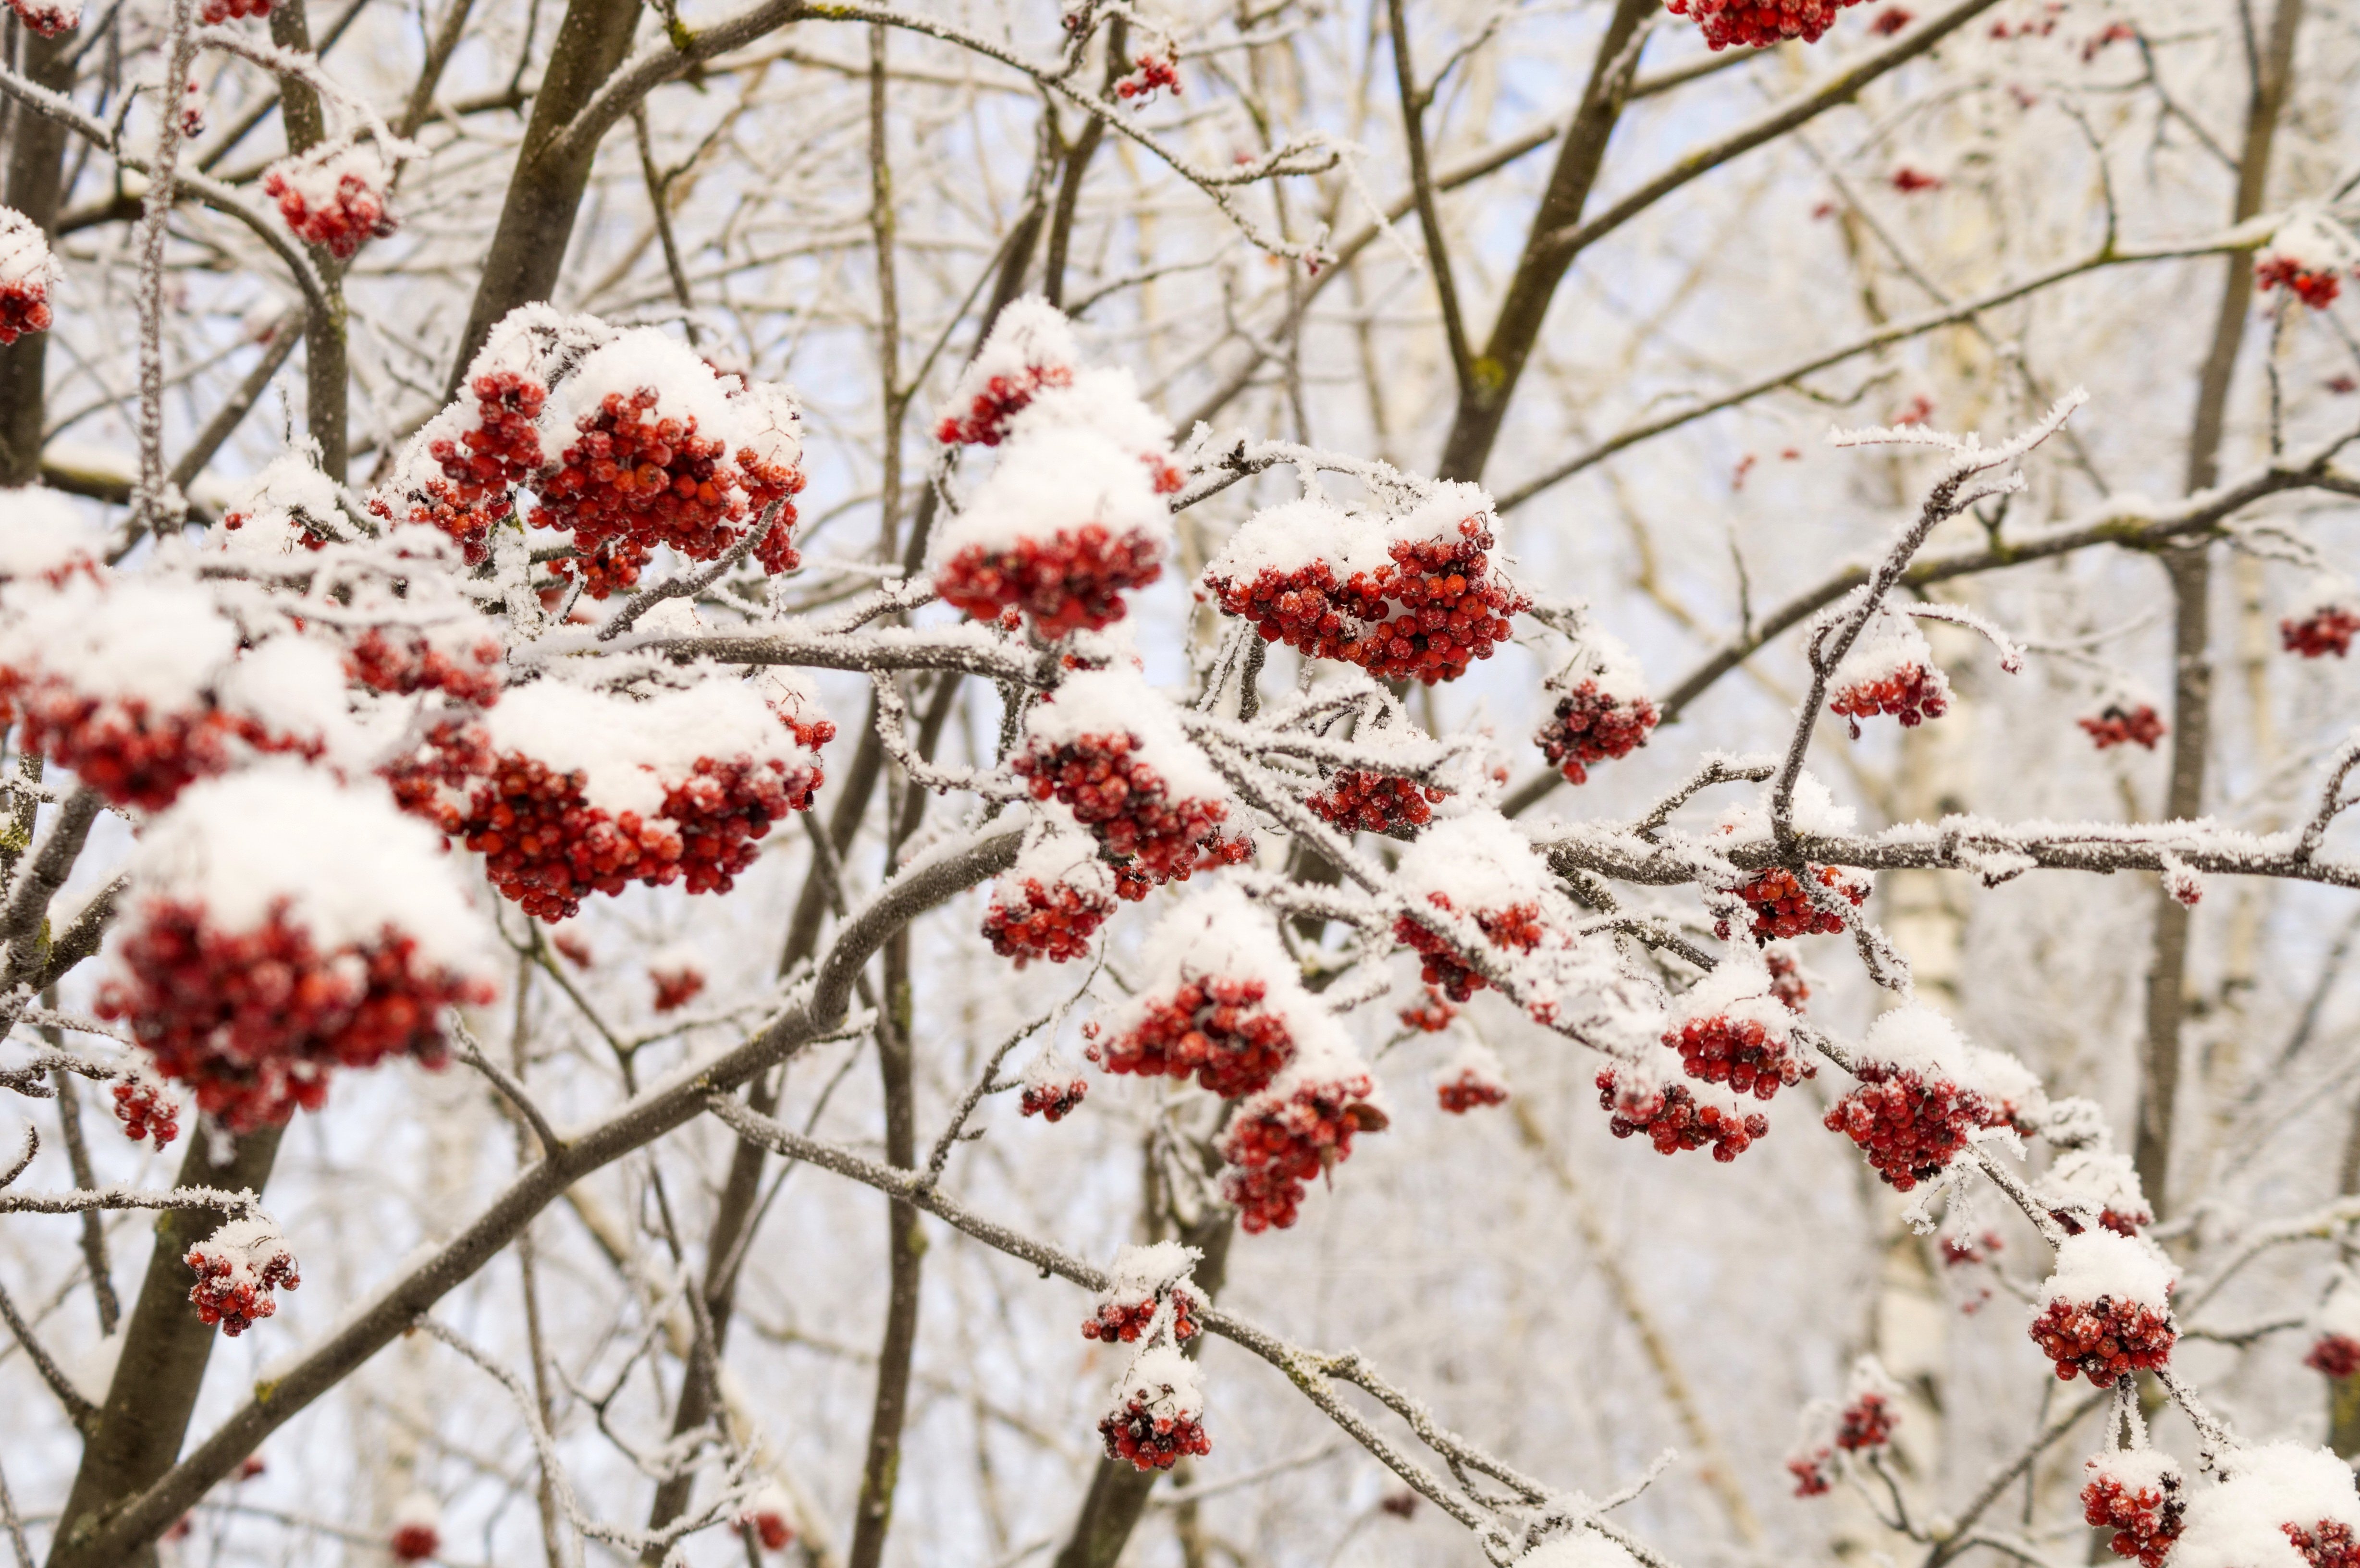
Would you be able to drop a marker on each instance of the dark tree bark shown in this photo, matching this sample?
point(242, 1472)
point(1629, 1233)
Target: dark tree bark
point(37, 146)
point(327, 375)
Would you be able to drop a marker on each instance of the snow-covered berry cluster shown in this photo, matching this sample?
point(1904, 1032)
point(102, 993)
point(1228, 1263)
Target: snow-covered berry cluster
point(2308, 257)
point(1407, 595)
point(1480, 867)
point(1158, 1416)
point(144, 1107)
point(1149, 73)
point(1053, 900)
point(237, 1268)
point(1472, 1077)
point(1759, 24)
point(2135, 1493)
point(1055, 1094)
point(1889, 670)
point(1356, 800)
point(1782, 909)
point(1073, 515)
point(1031, 347)
point(1924, 1091)
point(2335, 1329)
point(1107, 747)
point(1223, 1003)
point(2116, 725)
point(1430, 1014)
point(1142, 1282)
point(1602, 711)
point(417, 1528)
point(1829, 1434)
point(288, 927)
point(2094, 1187)
point(2272, 1497)
point(568, 792)
point(334, 196)
point(1673, 1117)
point(626, 442)
point(769, 1516)
point(1735, 1030)
point(213, 13)
point(47, 17)
point(29, 274)
point(2105, 1310)
point(1787, 982)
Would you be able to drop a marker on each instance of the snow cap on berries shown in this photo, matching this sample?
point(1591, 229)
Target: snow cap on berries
point(340, 860)
point(1051, 480)
point(1138, 1273)
point(133, 639)
point(2129, 1270)
point(1737, 989)
point(2241, 1522)
point(1477, 862)
point(1288, 538)
point(28, 273)
point(2090, 1183)
point(294, 687)
point(1030, 346)
point(1167, 1382)
point(628, 749)
point(43, 533)
point(1111, 702)
point(287, 507)
point(1582, 1548)
point(1221, 933)
point(1918, 1039)
point(1471, 1075)
point(2308, 254)
point(1058, 853)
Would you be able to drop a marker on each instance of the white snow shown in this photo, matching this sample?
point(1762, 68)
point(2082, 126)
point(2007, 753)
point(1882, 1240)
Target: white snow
point(2136, 1469)
point(2338, 1312)
point(1139, 1273)
point(1473, 1060)
point(247, 1246)
point(1121, 701)
point(42, 531)
point(1815, 811)
point(628, 749)
point(1605, 660)
point(1166, 1381)
point(1916, 1039)
point(1478, 861)
point(1057, 854)
point(2314, 242)
point(2237, 1524)
point(345, 862)
point(2093, 1179)
point(2132, 1270)
point(1053, 479)
point(1737, 989)
point(1031, 334)
point(1440, 509)
point(419, 1511)
point(23, 251)
point(1582, 1548)
point(643, 357)
point(160, 643)
point(1288, 538)
point(271, 504)
point(1890, 645)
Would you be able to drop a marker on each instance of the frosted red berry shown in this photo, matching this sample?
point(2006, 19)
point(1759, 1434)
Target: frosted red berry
point(1814, 1472)
point(335, 204)
point(47, 18)
point(1787, 982)
point(1588, 726)
point(2326, 1544)
point(1781, 909)
point(676, 985)
point(1054, 1100)
point(1912, 694)
point(1739, 1051)
point(1213, 1028)
point(1430, 1015)
point(1054, 920)
point(1909, 1128)
point(236, 1270)
point(1759, 24)
point(1516, 928)
point(2333, 1356)
point(1359, 800)
point(23, 306)
point(2105, 1339)
point(145, 1109)
point(414, 1543)
point(1149, 73)
point(1866, 1423)
point(1152, 1439)
point(1123, 800)
point(2144, 1518)
point(1284, 1140)
point(2316, 288)
point(213, 13)
point(1001, 398)
point(1671, 1118)
point(1468, 1090)
point(1126, 1320)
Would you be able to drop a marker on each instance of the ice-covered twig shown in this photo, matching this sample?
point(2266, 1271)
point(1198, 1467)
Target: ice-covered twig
point(2010, 652)
point(693, 584)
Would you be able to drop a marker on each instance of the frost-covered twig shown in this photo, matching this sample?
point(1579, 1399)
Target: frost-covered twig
point(79, 1410)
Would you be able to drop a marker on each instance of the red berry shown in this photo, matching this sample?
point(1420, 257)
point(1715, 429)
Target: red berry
point(2117, 726)
point(1517, 927)
point(1359, 800)
point(1672, 1117)
point(1589, 726)
point(1759, 23)
point(2135, 1494)
point(2327, 629)
point(1297, 1130)
point(237, 1268)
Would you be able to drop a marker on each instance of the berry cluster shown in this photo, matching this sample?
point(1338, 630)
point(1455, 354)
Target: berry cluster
point(1589, 726)
point(2326, 1544)
point(1740, 1052)
point(145, 1110)
point(335, 204)
point(1357, 800)
point(1053, 1101)
point(2117, 726)
point(2334, 1355)
point(1866, 1423)
point(1430, 1015)
point(676, 985)
point(1055, 923)
point(483, 463)
point(1908, 1128)
point(2108, 1219)
point(213, 13)
point(237, 1268)
point(1814, 1472)
point(1216, 1028)
point(2316, 288)
point(1284, 1140)
point(1672, 1120)
point(2327, 629)
point(2102, 1340)
point(1073, 581)
point(401, 659)
point(118, 747)
point(633, 481)
point(414, 1543)
point(767, 1521)
point(1126, 1320)
point(547, 848)
point(1787, 982)
point(1517, 927)
point(1782, 909)
point(1759, 24)
point(1000, 400)
point(1150, 1437)
point(47, 17)
point(254, 1020)
point(2144, 1515)
point(1123, 800)
point(1453, 608)
point(1152, 71)
point(1469, 1090)
point(1959, 1250)
point(1912, 694)
point(24, 304)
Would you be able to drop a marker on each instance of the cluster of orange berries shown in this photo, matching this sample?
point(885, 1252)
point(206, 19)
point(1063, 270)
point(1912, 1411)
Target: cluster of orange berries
point(1672, 1120)
point(1518, 927)
point(1589, 726)
point(1275, 1147)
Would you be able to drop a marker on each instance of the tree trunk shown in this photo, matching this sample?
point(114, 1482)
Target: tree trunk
point(37, 146)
